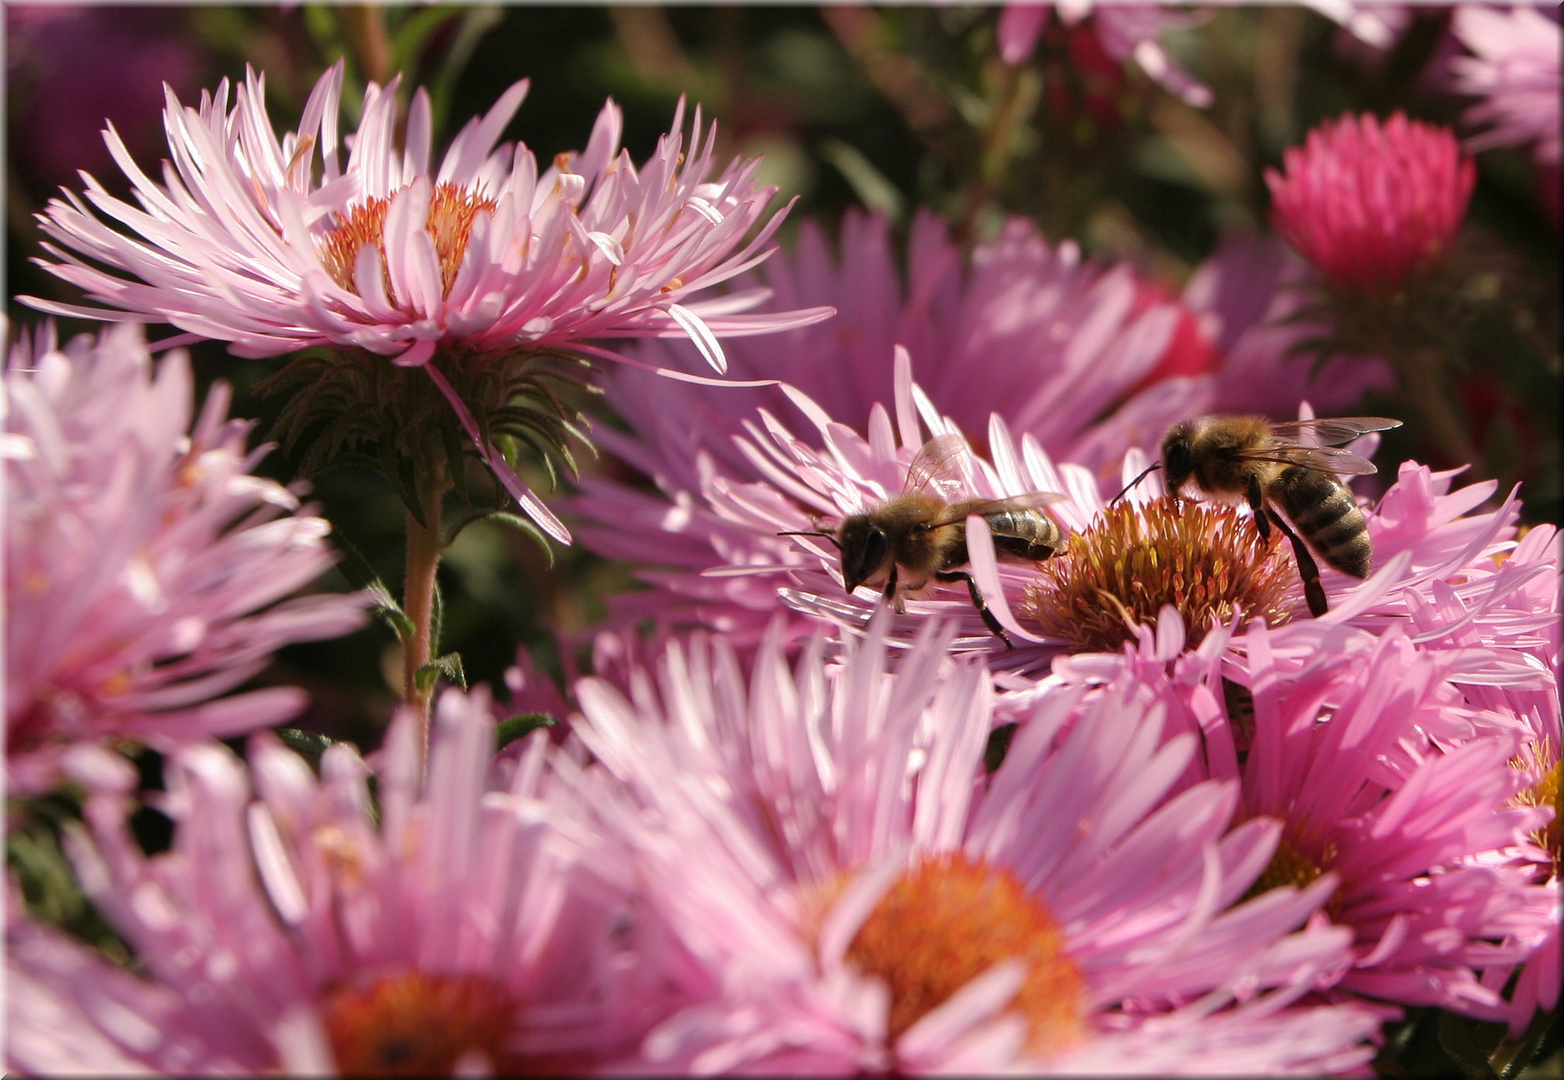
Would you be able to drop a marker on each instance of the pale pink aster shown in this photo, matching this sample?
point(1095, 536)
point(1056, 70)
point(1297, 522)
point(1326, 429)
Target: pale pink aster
point(1372, 204)
point(774, 817)
point(1084, 358)
point(275, 244)
point(146, 569)
point(299, 926)
point(1127, 32)
point(1515, 70)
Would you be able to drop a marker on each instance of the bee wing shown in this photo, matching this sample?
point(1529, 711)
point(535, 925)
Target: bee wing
point(1033, 500)
point(1330, 431)
point(938, 468)
point(1323, 459)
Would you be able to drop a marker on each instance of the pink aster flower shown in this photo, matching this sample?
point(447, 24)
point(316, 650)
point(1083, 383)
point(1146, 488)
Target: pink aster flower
point(299, 926)
point(1515, 69)
point(146, 569)
point(277, 244)
point(1426, 883)
point(865, 900)
point(1372, 204)
point(1355, 743)
point(1083, 358)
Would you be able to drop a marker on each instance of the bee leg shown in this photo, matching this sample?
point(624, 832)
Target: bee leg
point(1308, 569)
point(1257, 504)
point(979, 603)
point(891, 596)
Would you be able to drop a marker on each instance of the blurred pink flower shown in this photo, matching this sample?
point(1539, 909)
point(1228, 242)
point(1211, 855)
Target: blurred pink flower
point(246, 242)
point(1127, 32)
point(1515, 69)
point(144, 564)
point(824, 842)
point(300, 926)
point(70, 67)
point(1372, 204)
point(1085, 359)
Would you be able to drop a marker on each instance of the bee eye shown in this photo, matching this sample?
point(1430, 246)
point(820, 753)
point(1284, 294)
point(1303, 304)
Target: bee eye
point(875, 548)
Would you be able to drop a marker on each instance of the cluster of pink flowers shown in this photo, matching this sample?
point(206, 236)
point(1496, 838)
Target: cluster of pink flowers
point(785, 827)
point(144, 564)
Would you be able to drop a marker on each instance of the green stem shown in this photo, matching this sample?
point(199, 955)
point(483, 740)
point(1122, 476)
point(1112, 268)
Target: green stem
point(424, 545)
point(1422, 380)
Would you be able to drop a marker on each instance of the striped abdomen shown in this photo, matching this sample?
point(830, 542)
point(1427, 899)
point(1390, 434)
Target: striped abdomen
point(1021, 535)
point(1326, 516)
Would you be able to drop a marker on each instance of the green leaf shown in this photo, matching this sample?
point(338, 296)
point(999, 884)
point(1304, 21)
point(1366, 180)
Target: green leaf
point(385, 606)
point(1511, 1059)
point(437, 620)
point(449, 665)
point(415, 32)
point(1471, 1043)
point(515, 727)
point(998, 746)
point(516, 521)
point(311, 744)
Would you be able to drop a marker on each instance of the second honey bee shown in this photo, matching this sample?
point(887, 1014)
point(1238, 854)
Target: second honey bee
point(1271, 467)
point(922, 533)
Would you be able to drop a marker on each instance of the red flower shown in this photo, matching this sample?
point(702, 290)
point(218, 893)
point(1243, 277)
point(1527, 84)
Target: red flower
point(1372, 204)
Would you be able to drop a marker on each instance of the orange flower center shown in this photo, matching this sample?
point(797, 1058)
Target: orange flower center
point(1204, 559)
point(451, 213)
point(950, 920)
point(411, 1023)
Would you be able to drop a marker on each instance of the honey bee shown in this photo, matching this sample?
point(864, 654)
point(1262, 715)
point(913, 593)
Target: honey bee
point(922, 532)
point(1269, 466)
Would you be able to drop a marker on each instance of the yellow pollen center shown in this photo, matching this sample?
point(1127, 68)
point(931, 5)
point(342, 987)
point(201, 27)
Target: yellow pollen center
point(1204, 559)
point(1288, 866)
point(950, 920)
point(411, 1023)
point(451, 213)
point(1544, 792)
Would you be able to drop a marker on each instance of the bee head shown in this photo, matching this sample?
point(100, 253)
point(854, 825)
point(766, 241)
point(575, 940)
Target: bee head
point(1176, 459)
point(865, 550)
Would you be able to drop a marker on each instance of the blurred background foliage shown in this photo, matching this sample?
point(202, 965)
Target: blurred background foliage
point(889, 108)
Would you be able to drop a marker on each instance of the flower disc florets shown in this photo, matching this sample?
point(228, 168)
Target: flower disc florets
point(1543, 759)
point(949, 920)
point(452, 210)
point(412, 1023)
point(1204, 559)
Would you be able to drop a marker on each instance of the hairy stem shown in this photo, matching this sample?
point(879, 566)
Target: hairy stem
point(424, 545)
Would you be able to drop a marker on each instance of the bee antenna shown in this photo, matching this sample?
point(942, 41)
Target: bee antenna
point(813, 532)
point(1147, 471)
